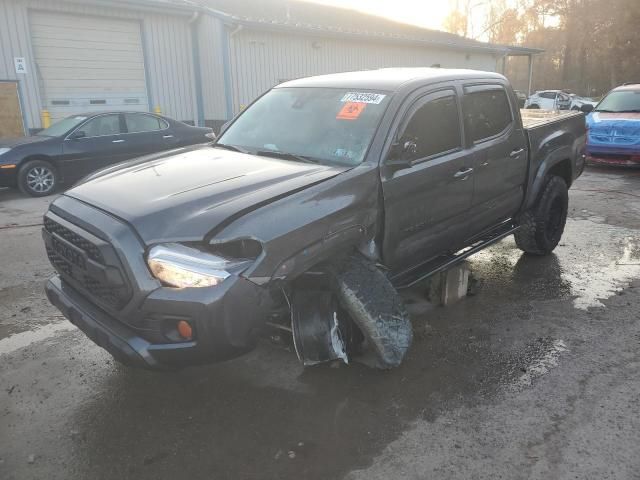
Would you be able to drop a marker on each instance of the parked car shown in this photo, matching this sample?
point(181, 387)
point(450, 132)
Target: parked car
point(314, 206)
point(78, 145)
point(549, 100)
point(577, 102)
point(614, 128)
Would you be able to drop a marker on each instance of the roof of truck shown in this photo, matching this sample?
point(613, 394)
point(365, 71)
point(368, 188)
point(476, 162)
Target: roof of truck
point(390, 79)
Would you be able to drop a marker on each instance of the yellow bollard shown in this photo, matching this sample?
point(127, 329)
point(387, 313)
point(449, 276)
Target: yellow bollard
point(158, 110)
point(45, 118)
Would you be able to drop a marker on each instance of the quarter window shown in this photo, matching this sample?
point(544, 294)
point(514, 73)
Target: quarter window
point(137, 123)
point(102, 125)
point(434, 127)
point(486, 113)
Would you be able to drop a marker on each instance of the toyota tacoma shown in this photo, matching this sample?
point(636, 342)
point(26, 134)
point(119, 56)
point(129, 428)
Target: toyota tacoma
point(314, 207)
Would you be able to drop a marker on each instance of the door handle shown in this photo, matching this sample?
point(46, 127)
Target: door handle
point(167, 136)
point(516, 153)
point(463, 173)
point(117, 141)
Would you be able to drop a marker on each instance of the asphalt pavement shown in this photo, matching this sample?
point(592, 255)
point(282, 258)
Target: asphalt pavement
point(535, 376)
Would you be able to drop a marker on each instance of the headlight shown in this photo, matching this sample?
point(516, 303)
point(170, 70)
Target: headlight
point(180, 266)
point(4, 150)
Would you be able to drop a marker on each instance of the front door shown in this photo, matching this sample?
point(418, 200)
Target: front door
point(427, 198)
point(499, 155)
point(95, 144)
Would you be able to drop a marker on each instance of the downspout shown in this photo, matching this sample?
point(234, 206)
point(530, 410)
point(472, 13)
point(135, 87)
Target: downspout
point(197, 71)
point(225, 43)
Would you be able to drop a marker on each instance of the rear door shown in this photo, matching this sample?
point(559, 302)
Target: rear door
point(427, 201)
point(95, 144)
point(148, 133)
point(499, 150)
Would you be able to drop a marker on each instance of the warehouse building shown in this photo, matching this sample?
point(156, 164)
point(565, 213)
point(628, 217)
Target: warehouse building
point(197, 61)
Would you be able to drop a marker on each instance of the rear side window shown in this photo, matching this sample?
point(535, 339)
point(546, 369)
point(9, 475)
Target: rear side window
point(550, 95)
point(137, 123)
point(434, 127)
point(486, 113)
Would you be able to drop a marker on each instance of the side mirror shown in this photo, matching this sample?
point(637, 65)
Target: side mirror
point(586, 108)
point(78, 134)
point(402, 153)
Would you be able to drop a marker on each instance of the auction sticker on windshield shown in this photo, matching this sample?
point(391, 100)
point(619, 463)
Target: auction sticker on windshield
point(363, 97)
point(351, 111)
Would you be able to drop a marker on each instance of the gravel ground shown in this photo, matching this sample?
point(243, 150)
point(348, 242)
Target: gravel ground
point(535, 376)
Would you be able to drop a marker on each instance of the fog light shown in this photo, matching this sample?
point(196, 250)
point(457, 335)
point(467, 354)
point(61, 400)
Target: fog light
point(184, 330)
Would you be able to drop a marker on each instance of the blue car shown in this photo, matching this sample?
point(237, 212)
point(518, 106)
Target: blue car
point(613, 128)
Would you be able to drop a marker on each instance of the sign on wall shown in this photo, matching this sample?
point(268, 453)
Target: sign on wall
point(21, 65)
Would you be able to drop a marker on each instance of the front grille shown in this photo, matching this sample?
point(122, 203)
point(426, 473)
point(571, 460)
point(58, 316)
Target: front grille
point(93, 252)
point(87, 263)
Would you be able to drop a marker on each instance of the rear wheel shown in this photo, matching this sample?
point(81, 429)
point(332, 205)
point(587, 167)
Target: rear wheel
point(542, 226)
point(38, 178)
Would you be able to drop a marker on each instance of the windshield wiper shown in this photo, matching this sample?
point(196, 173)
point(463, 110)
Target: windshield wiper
point(605, 111)
point(233, 148)
point(286, 156)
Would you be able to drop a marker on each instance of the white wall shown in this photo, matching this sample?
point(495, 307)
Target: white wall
point(260, 60)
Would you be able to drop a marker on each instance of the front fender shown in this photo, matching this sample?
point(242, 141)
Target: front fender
point(310, 226)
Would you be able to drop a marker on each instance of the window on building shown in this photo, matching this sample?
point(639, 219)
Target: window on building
point(486, 113)
point(138, 122)
point(102, 125)
point(434, 127)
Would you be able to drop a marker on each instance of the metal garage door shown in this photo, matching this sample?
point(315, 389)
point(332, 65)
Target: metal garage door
point(88, 64)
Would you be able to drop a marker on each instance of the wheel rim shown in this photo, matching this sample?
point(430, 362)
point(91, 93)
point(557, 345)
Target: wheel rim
point(40, 179)
point(556, 214)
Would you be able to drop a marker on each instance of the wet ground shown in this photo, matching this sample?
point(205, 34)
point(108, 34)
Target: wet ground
point(535, 376)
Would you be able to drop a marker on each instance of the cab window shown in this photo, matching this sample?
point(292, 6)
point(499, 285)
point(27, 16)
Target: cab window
point(486, 113)
point(434, 128)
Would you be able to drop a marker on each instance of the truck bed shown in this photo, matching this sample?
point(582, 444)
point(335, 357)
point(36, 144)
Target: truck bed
point(533, 118)
point(554, 133)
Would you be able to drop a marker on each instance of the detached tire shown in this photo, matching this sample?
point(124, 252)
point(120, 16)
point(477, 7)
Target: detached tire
point(376, 308)
point(542, 226)
point(37, 178)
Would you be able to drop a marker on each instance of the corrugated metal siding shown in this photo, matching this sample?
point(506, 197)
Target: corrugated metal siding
point(261, 60)
point(166, 40)
point(211, 63)
point(15, 42)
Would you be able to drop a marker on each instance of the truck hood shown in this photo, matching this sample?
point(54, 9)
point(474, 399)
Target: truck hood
point(183, 196)
point(616, 129)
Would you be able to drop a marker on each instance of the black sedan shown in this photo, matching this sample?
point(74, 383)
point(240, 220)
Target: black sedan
point(81, 144)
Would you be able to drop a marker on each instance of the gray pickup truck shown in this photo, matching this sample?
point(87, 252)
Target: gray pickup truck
point(312, 209)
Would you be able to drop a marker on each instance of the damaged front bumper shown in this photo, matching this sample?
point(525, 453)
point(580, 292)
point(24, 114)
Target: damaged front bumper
point(147, 343)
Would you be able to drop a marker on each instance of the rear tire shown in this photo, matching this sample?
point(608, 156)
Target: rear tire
point(542, 226)
point(37, 178)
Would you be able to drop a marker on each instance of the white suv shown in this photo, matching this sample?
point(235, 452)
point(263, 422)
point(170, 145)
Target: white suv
point(549, 100)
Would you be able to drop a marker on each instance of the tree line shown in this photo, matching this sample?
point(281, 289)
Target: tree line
point(590, 45)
